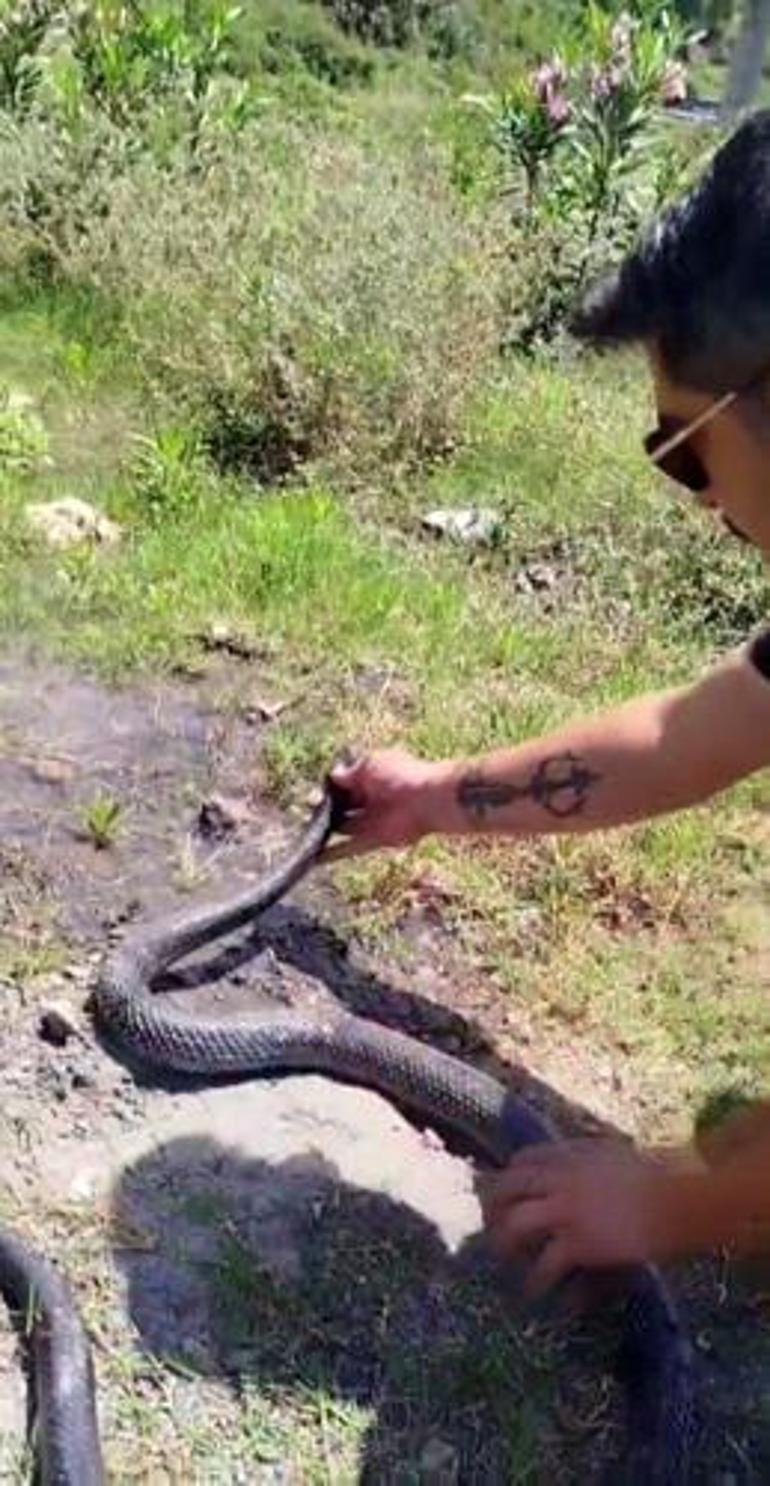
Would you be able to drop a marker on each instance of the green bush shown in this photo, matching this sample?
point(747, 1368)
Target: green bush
point(400, 23)
point(117, 53)
point(298, 298)
point(22, 28)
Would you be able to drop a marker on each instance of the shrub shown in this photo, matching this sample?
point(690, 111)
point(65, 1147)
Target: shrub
point(399, 23)
point(121, 53)
point(582, 161)
point(297, 297)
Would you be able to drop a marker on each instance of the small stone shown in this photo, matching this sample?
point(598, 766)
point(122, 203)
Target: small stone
point(83, 1078)
point(69, 522)
point(57, 1024)
point(52, 770)
point(75, 973)
point(220, 817)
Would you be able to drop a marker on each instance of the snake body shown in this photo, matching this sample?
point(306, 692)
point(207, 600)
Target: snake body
point(655, 1360)
point(63, 1408)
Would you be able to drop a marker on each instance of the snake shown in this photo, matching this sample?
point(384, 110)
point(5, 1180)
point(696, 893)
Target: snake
point(655, 1359)
point(63, 1403)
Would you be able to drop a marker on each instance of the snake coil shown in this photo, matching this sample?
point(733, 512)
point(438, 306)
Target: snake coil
point(655, 1361)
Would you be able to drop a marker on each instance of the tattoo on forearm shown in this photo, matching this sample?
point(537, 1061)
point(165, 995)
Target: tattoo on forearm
point(560, 783)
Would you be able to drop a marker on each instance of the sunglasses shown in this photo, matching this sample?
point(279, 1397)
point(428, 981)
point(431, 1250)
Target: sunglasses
point(669, 446)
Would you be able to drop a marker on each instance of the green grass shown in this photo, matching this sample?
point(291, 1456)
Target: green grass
point(381, 635)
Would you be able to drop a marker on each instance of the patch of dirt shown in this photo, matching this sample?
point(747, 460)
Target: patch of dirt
point(150, 1195)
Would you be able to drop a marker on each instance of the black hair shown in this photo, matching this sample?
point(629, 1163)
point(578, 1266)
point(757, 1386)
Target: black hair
point(698, 282)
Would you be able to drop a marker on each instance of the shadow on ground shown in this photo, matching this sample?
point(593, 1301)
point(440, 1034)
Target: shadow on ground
point(306, 1292)
point(294, 1285)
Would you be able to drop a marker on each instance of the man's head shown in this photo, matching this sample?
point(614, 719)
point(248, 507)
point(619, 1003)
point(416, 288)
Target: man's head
point(696, 293)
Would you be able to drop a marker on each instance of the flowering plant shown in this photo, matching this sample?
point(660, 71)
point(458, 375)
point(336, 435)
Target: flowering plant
point(597, 99)
point(572, 132)
point(534, 120)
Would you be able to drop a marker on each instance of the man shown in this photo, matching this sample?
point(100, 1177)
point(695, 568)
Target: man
point(695, 296)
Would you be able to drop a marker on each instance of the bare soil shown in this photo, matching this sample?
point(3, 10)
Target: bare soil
point(252, 1240)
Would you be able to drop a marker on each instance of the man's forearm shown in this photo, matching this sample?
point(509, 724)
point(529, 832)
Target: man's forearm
point(654, 755)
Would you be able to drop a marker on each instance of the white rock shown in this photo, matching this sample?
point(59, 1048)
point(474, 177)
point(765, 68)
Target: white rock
point(69, 521)
point(475, 526)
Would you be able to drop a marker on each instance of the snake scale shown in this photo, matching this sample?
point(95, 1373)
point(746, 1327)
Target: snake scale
point(655, 1359)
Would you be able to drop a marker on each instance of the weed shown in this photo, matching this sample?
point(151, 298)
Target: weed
point(168, 476)
point(23, 438)
point(102, 819)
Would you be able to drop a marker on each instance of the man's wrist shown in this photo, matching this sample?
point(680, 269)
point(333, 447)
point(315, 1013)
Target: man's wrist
point(437, 808)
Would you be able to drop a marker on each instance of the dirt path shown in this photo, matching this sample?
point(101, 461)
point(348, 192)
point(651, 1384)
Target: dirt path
point(280, 1278)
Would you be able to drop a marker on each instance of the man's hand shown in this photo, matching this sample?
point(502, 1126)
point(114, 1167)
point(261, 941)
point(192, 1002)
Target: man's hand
point(388, 798)
point(583, 1204)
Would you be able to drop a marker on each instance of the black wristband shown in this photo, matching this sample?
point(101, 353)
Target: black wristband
point(759, 653)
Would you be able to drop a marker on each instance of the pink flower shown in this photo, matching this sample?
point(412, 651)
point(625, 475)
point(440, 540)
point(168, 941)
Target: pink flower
point(548, 83)
point(603, 82)
point(673, 84)
point(558, 110)
point(548, 78)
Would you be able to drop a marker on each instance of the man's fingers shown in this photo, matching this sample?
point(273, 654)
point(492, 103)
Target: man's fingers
point(555, 1261)
point(520, 1227)
point(527, 1175)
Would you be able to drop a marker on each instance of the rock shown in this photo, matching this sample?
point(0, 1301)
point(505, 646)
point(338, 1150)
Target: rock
point(220, 817)
point(474, 526)
point(18, 401)
point(439, 1464)
point(83, 1078)
point(222, 636)
point(536, 577)
point(70, 521)
point(57, 1023)
point(52, 770)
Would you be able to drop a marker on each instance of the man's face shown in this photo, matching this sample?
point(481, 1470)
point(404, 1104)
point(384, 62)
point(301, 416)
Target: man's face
point(734, 449)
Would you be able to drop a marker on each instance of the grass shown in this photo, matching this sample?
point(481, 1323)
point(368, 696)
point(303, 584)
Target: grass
point(385, 636)
point(376, 1351)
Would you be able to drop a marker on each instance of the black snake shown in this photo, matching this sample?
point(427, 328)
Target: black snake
point(655, 1356)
